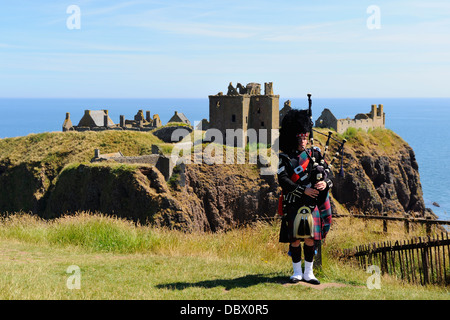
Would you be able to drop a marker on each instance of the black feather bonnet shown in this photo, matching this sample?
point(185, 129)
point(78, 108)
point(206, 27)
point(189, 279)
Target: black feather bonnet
point(294, 122)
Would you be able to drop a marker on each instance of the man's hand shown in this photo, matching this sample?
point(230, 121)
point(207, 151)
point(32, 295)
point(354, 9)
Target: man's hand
point(321, 185)
point(313, 193)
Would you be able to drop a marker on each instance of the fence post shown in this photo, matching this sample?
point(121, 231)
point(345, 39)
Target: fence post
point(384, 264)
point(384, 223)
point(318, 255)
point(407, 223)
point(428, 225)
point(424, 262)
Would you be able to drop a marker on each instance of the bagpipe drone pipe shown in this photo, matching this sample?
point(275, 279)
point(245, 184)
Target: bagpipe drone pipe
point(321, 168)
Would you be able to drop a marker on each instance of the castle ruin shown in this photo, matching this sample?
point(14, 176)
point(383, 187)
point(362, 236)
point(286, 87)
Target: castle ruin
point(375, 119)
point(244, 108)
point(180, 117)
point(164, 163)
point(98, 120)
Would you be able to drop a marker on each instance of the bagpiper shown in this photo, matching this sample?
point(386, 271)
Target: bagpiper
point(304, 177)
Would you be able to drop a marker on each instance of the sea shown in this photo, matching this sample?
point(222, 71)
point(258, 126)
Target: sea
point(423, 123)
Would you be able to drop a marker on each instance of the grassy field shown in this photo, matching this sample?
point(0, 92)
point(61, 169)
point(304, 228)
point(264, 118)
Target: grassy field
point(120, 260)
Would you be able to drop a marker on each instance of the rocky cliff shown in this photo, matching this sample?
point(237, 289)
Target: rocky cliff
point(213, 197)
point(224, 196)
point(381, 175)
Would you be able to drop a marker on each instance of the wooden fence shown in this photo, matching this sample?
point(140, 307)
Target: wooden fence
point(424, 260)
point(428, 222)
point(406, 220)
point(391, 250)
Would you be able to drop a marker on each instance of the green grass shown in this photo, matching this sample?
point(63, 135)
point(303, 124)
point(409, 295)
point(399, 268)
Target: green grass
point(60, 148)
point(382, 140)
point(121, 260)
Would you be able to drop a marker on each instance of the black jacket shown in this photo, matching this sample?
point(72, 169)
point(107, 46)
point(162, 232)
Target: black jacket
point(289, 169)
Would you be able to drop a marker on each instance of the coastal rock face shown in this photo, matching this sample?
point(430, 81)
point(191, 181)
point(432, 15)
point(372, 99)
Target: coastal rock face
point(23, 187)
point(381, 176)
point(380, 182)
point(138, 193)
point(223, 196)
point(213, 198)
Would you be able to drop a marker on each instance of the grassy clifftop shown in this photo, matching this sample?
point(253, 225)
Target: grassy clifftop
point(61, 148)
point(30, 165)
point(383, 142)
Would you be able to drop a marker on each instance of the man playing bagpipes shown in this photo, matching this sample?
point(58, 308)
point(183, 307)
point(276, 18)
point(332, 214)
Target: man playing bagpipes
point(304, 177)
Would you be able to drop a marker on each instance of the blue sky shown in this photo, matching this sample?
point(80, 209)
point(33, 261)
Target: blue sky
point(184, 49)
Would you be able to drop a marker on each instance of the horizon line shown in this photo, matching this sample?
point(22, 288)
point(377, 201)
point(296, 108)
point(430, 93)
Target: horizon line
point(127, 98)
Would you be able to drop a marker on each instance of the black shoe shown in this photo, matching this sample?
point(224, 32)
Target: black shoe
point(294, 280)
point(312, 281)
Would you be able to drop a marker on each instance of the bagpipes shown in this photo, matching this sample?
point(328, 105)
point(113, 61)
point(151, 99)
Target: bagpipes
point(323, 169)
point(320, 170)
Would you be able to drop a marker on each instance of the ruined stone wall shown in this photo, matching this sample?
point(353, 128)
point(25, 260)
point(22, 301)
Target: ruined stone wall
point(374, 119)
point(229, 112)
point(264, 113)
point(88, 123)
point(344, 124)
point(365, 124)
point(163, 163)
point(248, 109)
point(82, 129)
point(327, 120)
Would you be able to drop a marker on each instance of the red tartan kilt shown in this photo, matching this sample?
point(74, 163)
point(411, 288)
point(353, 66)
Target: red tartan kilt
point(280, 205)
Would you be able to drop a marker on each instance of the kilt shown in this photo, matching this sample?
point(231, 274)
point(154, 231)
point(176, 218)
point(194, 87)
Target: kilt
point(322, 222)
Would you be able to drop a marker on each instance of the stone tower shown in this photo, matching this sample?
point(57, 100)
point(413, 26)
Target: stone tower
point(67, 125)
point(242, 109)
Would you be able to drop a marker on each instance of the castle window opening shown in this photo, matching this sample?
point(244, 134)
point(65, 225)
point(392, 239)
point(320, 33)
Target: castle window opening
point(262, 123)
point(233, 118)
